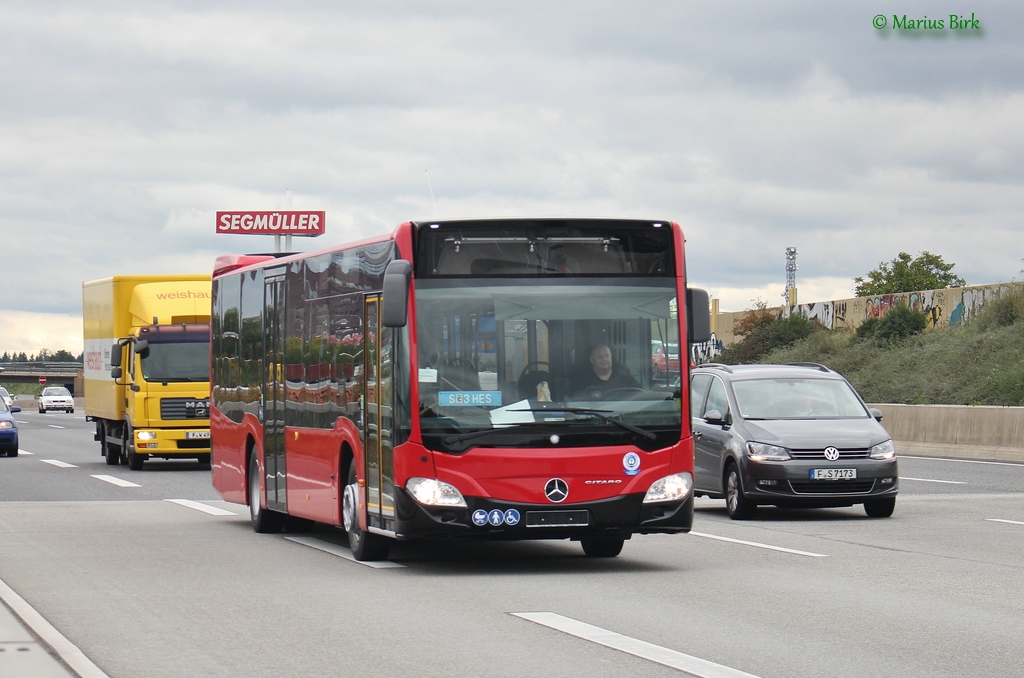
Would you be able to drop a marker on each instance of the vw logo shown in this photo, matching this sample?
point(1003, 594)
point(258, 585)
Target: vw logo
point(831, 453)
point(556, 490)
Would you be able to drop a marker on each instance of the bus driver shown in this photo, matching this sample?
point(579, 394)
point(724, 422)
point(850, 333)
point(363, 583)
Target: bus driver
point(603, 376)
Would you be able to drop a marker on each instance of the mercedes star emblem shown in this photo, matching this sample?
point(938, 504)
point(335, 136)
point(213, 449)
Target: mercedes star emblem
point(556, 490)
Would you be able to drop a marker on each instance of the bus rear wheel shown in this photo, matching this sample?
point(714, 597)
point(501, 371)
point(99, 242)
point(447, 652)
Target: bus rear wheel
point(602, 548)
point(364, 545)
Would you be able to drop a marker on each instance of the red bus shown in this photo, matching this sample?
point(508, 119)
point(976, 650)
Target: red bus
point(476, 379)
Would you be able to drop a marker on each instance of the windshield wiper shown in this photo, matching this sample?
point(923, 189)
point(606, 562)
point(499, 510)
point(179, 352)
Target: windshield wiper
point(596, 413)
point(463, 437)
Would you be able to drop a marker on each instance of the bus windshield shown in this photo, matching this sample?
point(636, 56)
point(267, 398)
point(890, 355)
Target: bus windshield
point(563, 357)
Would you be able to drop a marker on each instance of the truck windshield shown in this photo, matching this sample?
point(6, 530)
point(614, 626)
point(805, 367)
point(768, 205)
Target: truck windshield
point(174, 361)
point(509, 362)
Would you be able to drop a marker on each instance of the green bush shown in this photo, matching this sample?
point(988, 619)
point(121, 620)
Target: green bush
point(767, 334)
point(868, 328)
point(899, 324)
point(1003, 311)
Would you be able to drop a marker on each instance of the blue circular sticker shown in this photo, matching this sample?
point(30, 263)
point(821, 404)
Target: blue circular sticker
point(480, 517)
point(495, 517)
point(631, 463)
point(511, 517)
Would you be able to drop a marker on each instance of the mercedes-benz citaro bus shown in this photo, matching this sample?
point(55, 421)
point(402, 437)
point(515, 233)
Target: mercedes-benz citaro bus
point(475, 379)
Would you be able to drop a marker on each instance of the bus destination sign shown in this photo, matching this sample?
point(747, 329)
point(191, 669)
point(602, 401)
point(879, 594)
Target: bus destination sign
point(271, 223)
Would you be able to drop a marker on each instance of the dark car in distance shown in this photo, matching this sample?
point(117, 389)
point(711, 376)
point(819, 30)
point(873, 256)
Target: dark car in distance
point(8, 430)
point(793, 436)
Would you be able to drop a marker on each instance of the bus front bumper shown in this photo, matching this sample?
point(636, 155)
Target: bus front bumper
point(486, 518)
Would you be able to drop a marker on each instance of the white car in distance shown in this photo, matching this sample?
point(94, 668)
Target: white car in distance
point(56, 398)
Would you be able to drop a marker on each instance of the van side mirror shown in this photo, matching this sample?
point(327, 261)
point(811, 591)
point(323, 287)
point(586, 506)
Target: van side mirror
point(395, 305)
point(715, 418)
point(698, 316)
point(876, 413)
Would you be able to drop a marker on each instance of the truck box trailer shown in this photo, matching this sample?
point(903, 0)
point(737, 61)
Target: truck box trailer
point(147, 375)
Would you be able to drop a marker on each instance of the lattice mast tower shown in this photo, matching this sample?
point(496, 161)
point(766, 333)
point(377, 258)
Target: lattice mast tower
point(789, 294)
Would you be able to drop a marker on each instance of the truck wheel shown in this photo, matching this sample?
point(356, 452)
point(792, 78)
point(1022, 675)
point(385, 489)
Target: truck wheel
point(128, 448)
point(264, 521)
point(204, 460)
point(113, 455)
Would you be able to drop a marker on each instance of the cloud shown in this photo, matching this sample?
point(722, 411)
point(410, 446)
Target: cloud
point(126, 126)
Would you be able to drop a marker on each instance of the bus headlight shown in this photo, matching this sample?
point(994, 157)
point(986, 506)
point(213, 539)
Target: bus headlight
point(670, 488)
point(145, 435)
point(433, 492)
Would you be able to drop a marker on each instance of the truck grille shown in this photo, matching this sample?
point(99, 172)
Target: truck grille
point(184, 408)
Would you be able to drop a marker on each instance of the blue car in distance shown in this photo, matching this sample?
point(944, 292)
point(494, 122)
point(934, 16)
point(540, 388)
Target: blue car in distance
point(8, 429)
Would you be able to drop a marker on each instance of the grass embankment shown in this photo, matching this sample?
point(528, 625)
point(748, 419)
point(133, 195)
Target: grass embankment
point(981, 364)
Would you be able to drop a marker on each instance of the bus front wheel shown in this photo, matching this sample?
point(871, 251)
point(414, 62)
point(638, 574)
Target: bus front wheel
point(364, 545)
point(263, 520)
point(602, 548)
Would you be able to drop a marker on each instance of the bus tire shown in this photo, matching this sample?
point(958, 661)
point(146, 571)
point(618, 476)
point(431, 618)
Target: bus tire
point(364, 545)
point(602, 547)
point(264, 521)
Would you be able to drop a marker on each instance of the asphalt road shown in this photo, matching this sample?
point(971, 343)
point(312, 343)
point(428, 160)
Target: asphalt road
point(145, 586)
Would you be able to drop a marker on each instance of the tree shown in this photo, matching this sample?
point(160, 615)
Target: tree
point(903, 274)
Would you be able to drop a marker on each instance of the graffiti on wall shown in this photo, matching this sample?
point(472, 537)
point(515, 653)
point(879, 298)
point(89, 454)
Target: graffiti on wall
point(953, 307)
point(706, 351)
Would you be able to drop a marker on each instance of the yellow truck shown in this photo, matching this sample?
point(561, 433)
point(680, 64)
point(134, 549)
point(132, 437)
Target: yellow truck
point(147, 366)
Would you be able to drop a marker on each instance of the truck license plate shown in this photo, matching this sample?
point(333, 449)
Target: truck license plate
point(201, 435)
point(833, 474)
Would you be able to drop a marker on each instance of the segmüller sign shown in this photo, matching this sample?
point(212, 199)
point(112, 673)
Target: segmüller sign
point(271, 223)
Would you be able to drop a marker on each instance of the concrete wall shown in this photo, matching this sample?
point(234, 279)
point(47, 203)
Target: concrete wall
point(952, 307)
point(956, 431)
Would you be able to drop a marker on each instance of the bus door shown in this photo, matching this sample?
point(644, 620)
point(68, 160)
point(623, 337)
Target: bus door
point(379, 466)
point(273, 390)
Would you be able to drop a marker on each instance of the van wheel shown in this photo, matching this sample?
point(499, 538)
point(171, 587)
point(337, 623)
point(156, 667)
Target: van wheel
point(364, 545)
point(880, 508)
point(264, 521)
point(736, 505)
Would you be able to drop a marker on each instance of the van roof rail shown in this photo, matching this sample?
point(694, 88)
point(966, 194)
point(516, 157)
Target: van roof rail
point(721, 366)
point(817, 366)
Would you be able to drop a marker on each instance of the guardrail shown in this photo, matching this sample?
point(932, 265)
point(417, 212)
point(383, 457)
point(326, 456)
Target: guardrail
point(956, 431)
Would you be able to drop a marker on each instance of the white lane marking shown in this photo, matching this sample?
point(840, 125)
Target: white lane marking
point(116, 481)
point(54, 426)
point(57, 462)
point(759, 545)
point(21, 451)
point(930, 480)
point(212, 510)
point(638, 648)
point(65, 649)
point(1000, 520)
point(963, 461)
point(20, 421)
point(336, 550)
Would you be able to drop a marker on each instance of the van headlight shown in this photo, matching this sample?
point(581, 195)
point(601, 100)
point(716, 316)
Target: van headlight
point(433, 492)
point(670, 488)
point(884, 450)
point(765, 452)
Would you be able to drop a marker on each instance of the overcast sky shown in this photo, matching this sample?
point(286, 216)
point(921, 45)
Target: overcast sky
point(124, 126)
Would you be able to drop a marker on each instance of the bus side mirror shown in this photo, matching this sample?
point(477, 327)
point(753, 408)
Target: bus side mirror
point(395, 305)
point(698, 316)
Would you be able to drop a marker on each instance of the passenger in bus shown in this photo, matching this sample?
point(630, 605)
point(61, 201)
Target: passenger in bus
point(602, 375)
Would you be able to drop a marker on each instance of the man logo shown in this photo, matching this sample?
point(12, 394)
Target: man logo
point(831, 453)
point(556, 490)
